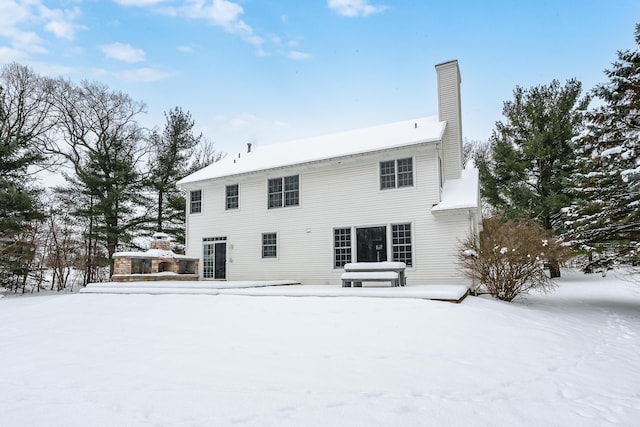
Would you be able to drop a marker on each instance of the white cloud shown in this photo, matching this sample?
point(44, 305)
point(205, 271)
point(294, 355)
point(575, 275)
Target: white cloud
point(11, 14)
point(222, 13)
point(225, 14)
point(20, 21)
point(60, 22)
point(297, 55)
point(51, 70)
point(27, 41)
point(141, 75)
point(123, 52)
point(242, 120)
point(354, 7)
point(184, 49)
point(8, 54)
point(246, 120)
point(139, 2)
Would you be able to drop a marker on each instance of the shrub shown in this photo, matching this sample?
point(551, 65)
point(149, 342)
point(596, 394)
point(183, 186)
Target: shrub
point(508, 257)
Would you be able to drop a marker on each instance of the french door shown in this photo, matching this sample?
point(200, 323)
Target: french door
point(214, 258)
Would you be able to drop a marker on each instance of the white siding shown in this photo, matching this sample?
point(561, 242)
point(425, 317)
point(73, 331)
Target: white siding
point(449, 110)
point(337, 193)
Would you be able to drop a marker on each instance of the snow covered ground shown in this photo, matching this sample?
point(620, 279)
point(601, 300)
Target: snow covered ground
point(571, 358)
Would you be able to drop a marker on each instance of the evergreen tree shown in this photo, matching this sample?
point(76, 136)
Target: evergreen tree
point(532, 154)
point(171, 151)
point(103, 143)
point(605, 219)
point(24, 123)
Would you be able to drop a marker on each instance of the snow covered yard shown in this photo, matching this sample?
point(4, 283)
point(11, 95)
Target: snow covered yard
point(564, 359)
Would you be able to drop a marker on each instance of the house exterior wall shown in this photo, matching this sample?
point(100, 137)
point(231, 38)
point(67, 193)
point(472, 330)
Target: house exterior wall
point(334, 193)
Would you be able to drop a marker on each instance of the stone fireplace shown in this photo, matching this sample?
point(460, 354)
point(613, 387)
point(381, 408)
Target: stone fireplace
point(157, 263)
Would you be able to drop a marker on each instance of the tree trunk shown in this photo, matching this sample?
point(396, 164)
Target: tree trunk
point(554, 268)
point(87, 276)
point(160, 200)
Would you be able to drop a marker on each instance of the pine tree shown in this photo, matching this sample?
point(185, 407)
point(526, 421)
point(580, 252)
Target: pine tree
point(24, 123)
point(171, 151)
point(605, 219)
point(532, 154)
point(103, 144)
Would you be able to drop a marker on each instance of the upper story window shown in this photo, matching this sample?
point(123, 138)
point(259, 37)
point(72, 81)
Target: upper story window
point(284, 192)
point(396, 173)
point(232, 197)
point(195, 201)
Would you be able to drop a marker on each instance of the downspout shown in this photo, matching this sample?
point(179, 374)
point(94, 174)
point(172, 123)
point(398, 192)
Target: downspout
point(474, 290)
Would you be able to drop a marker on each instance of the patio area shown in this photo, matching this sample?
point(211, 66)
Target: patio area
point(282, 288)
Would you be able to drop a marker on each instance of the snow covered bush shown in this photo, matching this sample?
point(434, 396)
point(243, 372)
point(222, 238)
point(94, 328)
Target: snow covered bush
point(509, 257)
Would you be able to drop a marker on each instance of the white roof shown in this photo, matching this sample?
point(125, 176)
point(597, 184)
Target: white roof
point(461, 193)
point(342, 144)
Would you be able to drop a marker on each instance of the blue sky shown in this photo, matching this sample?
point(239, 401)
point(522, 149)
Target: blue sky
point(271, 70)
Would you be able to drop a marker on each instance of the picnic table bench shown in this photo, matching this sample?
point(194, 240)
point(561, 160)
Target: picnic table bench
point(357, 272)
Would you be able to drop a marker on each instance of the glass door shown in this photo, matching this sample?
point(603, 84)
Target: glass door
point(220, 261)
point(207, 260)
point(214, 258)
point(371, 244)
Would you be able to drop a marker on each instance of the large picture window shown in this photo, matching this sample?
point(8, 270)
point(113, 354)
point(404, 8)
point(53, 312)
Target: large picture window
point(269, 245)
point(232, 197)
point(341, 247)
point(401, 243)
point(195, 201)
point(396, 173)
point(284, 192)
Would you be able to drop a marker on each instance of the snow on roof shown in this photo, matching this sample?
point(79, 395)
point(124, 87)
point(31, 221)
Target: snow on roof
point(461, 193)
point(342, 144)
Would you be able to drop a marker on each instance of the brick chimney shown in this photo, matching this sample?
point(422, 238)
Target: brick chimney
point(161, 241)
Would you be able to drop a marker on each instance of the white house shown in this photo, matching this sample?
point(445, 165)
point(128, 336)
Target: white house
point(300, 210)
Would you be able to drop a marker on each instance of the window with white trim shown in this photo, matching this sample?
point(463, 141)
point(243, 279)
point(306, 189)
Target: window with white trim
point(269, 245)
point(231, 196)
point(283, 192)
point(396, 173)
point(195, 201)
point(341, 247)
point(401, 243)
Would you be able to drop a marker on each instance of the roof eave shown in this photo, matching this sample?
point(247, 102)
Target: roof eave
point(184, 183)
